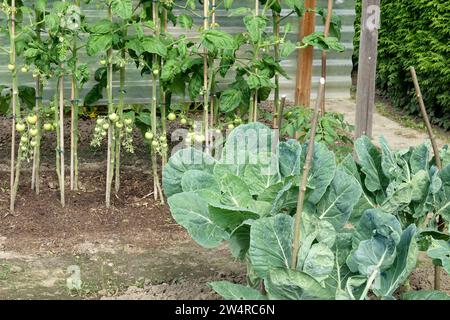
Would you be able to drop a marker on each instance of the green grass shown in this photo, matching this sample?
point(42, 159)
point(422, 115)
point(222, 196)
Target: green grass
point(5, 270)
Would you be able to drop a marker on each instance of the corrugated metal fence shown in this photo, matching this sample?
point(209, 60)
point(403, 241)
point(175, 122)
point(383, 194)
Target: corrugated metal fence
point(138, 88)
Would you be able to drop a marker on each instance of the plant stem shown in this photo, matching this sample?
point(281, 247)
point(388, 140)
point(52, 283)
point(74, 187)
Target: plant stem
point(111, 137)
point(423, 110)
point(304, 180)
point(281, 110)
point(276, 49)
point(371, 279)
point(324, 53)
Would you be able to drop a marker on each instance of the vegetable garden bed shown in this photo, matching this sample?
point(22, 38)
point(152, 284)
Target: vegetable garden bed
point(309, 211)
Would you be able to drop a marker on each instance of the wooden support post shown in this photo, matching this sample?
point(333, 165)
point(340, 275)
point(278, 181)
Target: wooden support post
point(367, 64)
point(324, 53)
point(305, 57)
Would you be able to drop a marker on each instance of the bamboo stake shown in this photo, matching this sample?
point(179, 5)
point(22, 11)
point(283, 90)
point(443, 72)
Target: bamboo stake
point(110, 154)
point(61, 140)
point(72, 128)
point(324, 53)
point(211, 92)
point(35, 185)
point(205, 75)
point(58, 137)
point(276, 49)
point(15, 107)
point(423, 110)
point(74, 121)
point(35, 180)
point(155, 79)
point(164, 28)
point(120, 114)
point(255, 95)
point(304, 180)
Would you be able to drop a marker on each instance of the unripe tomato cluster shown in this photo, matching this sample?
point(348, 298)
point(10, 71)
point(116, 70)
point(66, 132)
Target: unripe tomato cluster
point(158, 144)
point(122, 126)
point(28, 131)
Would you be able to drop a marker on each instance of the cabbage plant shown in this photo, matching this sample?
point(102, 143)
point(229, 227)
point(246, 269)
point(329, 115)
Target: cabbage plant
point(247, 198)
point(405, 183)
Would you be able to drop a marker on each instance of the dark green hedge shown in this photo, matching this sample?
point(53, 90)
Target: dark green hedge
point(414, 33)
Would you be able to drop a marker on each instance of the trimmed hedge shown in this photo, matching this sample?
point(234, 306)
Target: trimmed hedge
point(414, 33)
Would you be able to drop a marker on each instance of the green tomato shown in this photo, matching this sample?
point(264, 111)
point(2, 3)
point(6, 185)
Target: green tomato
point(24, 69)
point(165, 145)
point(33, 132)
point(172, 116)
point(237, 120)
point(98, 129)
point(11, 67)
point(156, 72)
point(23, 139)
point(32, 119)
point(103, 62)
point(155, 143)
point(100, 120)
point(23, 148)
point(183, 121)
point(20, 127)
point(103, 133)
point(162, 138)
point(48, 127)
point(231, 126)
point(119, 125)
point(128, 121)
point(113, 117)
point(218, 131)
point(129, 129)
point(105, 126)
point(148, 135)
point(33, 143)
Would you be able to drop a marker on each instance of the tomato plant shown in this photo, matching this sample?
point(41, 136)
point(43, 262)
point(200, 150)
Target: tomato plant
point(332, 129)
point(109, 37)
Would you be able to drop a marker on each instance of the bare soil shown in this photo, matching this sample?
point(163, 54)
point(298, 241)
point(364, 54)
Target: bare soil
point(134, 250)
